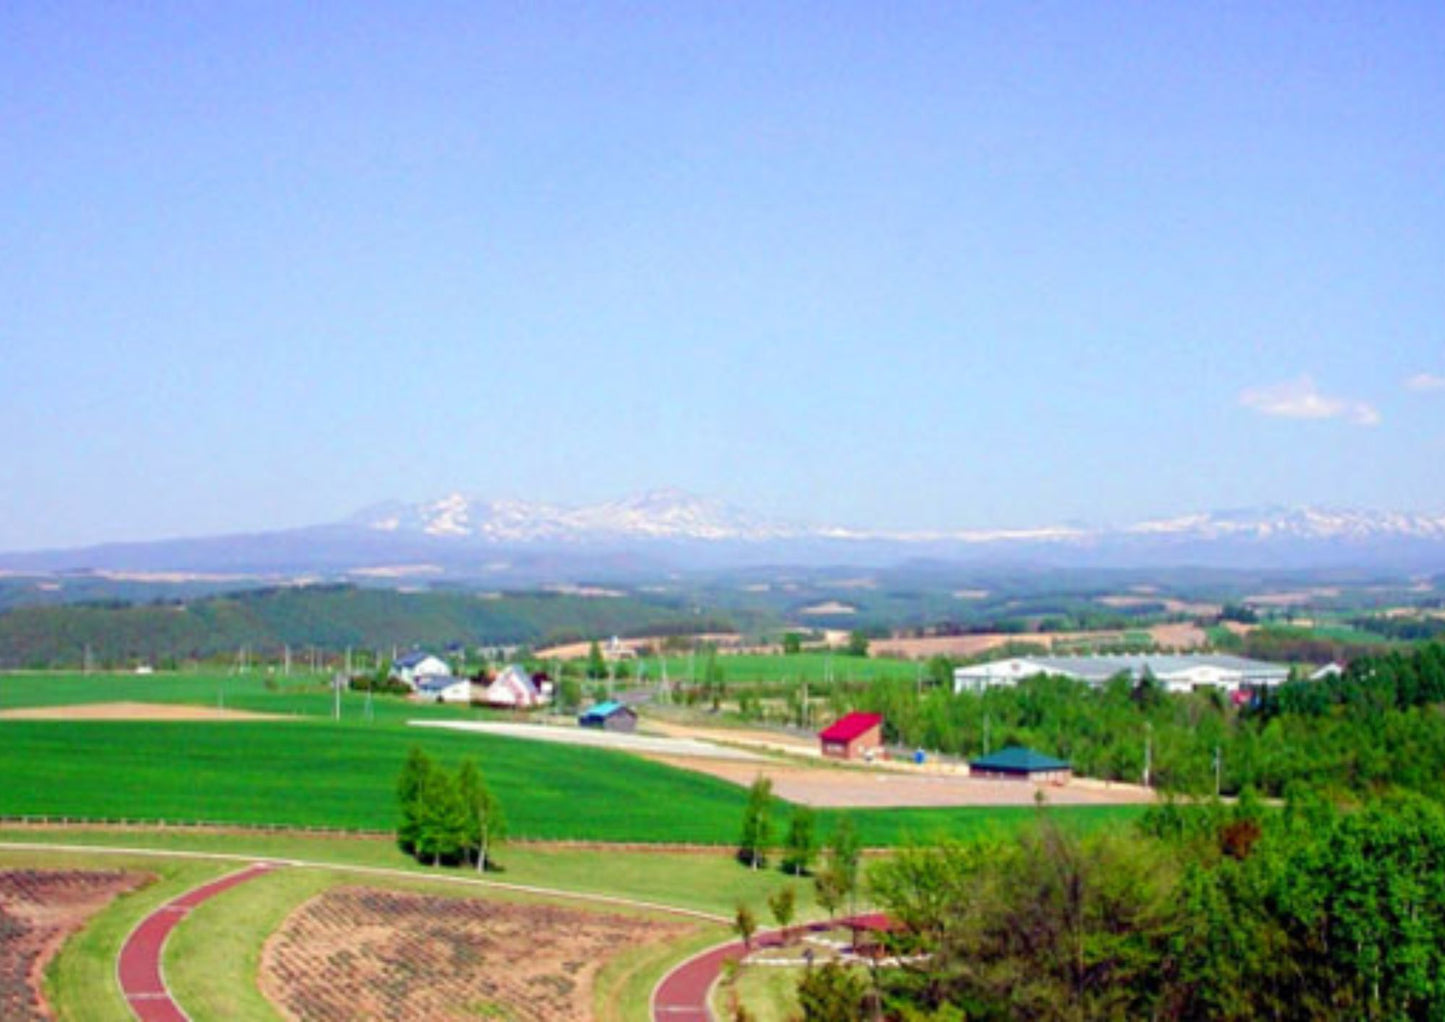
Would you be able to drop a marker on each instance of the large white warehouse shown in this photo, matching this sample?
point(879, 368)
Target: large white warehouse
point(1177, 672)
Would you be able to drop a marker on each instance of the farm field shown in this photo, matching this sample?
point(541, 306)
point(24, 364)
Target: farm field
point(80, 980)
point(358, 952)
point(39, 909)
point(300, 696)
point(343, 775)
point(213, 959)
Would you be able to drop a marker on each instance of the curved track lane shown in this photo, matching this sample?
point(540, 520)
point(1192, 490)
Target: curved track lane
point(682, 995)
point(138, 968)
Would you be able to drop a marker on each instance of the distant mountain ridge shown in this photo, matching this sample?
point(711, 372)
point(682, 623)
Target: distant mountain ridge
point(519, 542)
point(674, 514)
point(657, 514)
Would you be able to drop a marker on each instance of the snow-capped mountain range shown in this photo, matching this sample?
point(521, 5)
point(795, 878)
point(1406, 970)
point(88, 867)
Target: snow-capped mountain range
point(658, 514)
point(675, 515)
point(518, 542)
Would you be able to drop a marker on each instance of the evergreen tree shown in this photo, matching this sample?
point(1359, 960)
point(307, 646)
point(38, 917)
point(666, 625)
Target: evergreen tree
point(757, 825)
point(409, 787)
point(442, 820)
point(801, 842)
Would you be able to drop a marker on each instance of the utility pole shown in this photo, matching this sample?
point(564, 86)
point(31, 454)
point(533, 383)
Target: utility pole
point(985, 734)
point(1218, 769)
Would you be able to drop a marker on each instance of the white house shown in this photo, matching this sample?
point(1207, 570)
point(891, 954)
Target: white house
point(514, 687)
point(1177, 672)
point(443, 688)
point(415, 667)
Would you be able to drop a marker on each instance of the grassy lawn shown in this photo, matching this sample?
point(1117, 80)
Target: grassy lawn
point(624, 985)
point(768, 993)
point(712, 883)
point(742, 668)
point(315, 773)
point(80, 981)
point(213, 959)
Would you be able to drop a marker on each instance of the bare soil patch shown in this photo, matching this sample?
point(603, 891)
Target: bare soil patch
point(577, 650)
point(1182, 635)
point(359, 953)
point(833, 787)
point(39, 909)
point(133, 711)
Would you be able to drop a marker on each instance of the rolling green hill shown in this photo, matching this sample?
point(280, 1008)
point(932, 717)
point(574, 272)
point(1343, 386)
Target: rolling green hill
point(326, 617)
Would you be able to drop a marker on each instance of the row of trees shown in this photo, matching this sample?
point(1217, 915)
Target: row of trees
point(835, 880)
point(1375, 725)
point(445, 817)
point(1199, 913)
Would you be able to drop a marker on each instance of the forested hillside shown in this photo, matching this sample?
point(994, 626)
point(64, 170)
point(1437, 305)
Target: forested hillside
point(325, 617)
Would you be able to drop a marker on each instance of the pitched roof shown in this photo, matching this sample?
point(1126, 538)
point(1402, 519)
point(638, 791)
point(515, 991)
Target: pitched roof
point(1017, 759)
point(604, 710)
point(412, 659)
point(850, 726)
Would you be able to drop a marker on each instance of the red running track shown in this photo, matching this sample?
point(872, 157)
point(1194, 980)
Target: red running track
point(681, 996)
point(139, 965)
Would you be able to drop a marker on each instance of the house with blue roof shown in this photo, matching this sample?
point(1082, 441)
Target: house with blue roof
point(412, 668)
point(610, 716)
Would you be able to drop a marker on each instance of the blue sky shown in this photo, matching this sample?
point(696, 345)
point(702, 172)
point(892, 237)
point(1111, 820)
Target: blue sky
point(895, 265)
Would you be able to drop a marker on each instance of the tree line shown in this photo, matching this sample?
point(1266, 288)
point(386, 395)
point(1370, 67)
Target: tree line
point(1199, 912)
point(1374, 726)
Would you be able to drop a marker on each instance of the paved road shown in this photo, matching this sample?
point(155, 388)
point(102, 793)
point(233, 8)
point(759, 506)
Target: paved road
point(139, 966)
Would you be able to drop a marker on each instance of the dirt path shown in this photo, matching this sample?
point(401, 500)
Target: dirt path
point(133, 711)
point(138, 968)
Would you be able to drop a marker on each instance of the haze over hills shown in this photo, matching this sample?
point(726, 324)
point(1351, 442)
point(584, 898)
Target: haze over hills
point(517, 542)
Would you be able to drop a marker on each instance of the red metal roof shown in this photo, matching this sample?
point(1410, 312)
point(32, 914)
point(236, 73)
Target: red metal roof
point(849, 727)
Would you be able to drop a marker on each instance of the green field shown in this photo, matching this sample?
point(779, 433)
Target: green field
point(746, 668)
point(311, 771)
point(296, 696)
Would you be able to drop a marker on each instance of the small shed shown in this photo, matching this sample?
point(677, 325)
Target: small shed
point(853, 736)
point(1020, 764)
point(610, 716)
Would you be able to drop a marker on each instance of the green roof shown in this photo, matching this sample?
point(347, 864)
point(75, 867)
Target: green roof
point(1017, 759)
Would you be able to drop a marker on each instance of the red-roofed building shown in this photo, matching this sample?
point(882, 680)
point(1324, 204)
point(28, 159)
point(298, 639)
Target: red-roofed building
point(854, 736)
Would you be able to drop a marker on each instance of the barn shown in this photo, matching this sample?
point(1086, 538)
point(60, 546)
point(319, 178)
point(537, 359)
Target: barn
point(853, 736)
point(1016, 763)
point(610, 716)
